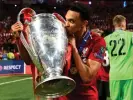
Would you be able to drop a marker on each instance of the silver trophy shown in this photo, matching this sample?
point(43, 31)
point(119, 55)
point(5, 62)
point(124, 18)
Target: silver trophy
point(47, 47)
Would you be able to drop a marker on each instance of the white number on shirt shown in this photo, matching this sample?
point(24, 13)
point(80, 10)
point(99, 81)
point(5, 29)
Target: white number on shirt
point(106, 59)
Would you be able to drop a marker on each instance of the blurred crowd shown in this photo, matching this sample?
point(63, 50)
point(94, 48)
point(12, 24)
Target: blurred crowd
point(8, 47)
point(8, 42)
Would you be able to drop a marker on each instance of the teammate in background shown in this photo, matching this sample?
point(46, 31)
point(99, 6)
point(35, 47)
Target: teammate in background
point(103, 79)
point(103, 74)
point(120, 49)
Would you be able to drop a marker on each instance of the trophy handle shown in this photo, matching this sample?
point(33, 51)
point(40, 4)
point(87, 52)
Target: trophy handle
point(59, 17)
point(52, 84)
point(28, 14)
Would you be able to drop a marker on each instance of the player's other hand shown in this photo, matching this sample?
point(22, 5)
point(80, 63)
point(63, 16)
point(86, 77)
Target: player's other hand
point(18, 26)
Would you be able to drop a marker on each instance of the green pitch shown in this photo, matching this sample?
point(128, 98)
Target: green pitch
point(16, 88)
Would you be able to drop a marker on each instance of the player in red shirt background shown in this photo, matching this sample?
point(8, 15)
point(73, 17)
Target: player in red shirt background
point(103, 74)
point(103, 79)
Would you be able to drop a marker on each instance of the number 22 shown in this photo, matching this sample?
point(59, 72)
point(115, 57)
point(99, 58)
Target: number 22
point(114, 43)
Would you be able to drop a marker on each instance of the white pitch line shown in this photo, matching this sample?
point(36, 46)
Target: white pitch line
point(15, 81)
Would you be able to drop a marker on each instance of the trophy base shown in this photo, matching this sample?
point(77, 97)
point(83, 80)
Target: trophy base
point(54, 87)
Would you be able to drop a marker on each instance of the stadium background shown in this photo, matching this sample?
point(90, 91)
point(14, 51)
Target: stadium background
point(17, 85)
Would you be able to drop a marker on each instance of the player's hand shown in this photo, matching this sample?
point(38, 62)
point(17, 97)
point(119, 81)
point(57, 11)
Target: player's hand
point(18, 26)
point(98, 31)
point(72, 41)
point(38, 79)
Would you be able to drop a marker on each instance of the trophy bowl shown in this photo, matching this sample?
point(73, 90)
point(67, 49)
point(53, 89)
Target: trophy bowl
point(48, 44)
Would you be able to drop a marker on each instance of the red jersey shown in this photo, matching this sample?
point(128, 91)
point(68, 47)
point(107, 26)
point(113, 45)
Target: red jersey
point(94, 49)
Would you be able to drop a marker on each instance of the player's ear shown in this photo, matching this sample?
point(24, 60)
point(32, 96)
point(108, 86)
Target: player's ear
point(85, 23)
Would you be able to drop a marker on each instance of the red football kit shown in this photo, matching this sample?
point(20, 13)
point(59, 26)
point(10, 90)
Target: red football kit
point(94, 50)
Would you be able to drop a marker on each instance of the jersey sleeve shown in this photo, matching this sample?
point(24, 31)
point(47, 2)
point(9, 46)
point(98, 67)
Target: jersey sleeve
point(98, 51)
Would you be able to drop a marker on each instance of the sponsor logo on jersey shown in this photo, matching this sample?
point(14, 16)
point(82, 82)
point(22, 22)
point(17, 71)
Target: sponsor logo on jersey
point(100, 53)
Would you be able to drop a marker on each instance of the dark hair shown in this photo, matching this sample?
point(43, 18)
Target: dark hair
point(82, 9)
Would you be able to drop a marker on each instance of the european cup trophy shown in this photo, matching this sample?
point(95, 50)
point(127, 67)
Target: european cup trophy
point(47, 46)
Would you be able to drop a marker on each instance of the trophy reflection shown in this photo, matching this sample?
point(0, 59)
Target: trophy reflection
point(47, 48)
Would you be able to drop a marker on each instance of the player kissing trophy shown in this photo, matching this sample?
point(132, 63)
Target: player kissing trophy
point(47, 46)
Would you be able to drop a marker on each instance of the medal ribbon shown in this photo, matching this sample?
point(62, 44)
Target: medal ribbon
point(84, 41)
